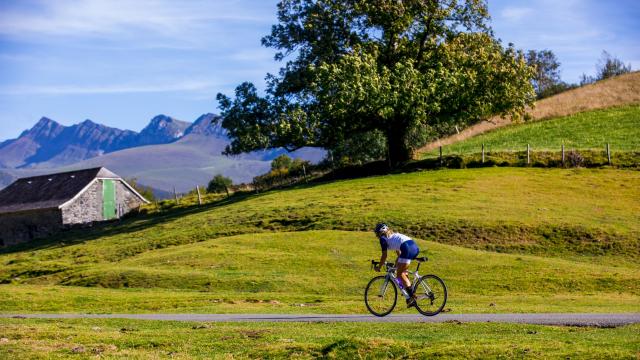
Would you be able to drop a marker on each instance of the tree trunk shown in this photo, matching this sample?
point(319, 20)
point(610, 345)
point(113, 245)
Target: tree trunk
point(399, 153)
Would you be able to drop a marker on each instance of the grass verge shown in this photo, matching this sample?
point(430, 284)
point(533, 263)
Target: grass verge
point(114, 339)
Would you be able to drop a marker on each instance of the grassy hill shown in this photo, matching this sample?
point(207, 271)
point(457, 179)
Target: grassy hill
point(582, 225)
point(504, 240)
point(623, 90)
point(313, 271)
point(539, 211)
point(620, 127)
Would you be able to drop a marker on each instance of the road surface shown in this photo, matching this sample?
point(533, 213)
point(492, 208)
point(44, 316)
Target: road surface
point(600, 320)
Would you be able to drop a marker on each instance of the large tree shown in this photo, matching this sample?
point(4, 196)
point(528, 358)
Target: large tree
point(402, 68)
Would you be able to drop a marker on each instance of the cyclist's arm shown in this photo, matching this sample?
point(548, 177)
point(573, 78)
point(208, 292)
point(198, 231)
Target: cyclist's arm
point(383, 258)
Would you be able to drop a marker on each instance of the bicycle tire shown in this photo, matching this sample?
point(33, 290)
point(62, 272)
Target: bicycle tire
point(374, 285)
point(430, 289)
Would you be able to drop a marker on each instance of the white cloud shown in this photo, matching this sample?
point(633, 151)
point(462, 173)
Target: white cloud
point(122, 18)
point(167, 86)
point(515, 13)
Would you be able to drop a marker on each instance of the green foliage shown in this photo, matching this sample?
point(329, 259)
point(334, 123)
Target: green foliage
point(219, 184)
point(145, 191)
point(547, 69)
point(360, 148)
point(546, 80)
point(281, 162)
point(402, 70)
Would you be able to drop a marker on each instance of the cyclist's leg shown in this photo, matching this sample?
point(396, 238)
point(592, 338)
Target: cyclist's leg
point(401, 272)
point(408, 251)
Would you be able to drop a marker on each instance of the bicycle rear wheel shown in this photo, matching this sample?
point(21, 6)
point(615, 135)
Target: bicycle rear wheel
point(380, 296)
point(431, 295)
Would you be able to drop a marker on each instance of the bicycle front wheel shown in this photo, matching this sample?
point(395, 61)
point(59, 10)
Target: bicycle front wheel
point(431, 295)
point(380, 296)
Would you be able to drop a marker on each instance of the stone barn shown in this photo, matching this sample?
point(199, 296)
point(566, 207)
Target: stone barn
point(39, 206)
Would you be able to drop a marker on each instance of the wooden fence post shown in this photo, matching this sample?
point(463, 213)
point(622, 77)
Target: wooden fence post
point(304, 172)
point(528, 156)
point(440, 155)
point(483, 153)
point(199, 197)
point(175, 196)
point(608, 154)
point(562, 154)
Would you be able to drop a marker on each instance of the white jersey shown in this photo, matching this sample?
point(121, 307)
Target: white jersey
point(393, 242)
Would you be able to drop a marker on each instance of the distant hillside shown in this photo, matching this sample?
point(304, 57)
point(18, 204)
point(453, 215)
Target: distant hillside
point(617, 91)
point(619, 127)
point(190, 161)
point(49, 144)
point(177, 153)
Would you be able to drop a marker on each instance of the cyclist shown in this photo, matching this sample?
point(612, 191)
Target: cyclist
point(405, 248)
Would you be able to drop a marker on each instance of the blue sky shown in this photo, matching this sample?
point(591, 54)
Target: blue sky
point(122, 62)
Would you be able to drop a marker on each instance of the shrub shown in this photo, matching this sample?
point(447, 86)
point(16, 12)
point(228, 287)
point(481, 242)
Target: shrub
point(281, 162)
point(219, 184)
point(575, 159)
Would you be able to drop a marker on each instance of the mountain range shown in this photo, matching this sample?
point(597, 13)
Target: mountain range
point(167, 153)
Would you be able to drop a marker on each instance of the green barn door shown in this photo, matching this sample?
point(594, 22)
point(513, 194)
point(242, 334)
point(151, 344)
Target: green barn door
point(108, 199)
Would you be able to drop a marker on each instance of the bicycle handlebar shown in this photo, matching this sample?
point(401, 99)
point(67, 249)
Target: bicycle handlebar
point(388, 264)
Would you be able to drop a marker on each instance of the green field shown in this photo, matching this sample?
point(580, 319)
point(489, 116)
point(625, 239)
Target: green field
point(551, 212)
point(571, 244)
point(504, 240)
point(321, 272)
point(126, 339)
point(620, 127)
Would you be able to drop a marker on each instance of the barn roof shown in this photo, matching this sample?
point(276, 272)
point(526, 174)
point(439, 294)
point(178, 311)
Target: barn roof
point(48, 191)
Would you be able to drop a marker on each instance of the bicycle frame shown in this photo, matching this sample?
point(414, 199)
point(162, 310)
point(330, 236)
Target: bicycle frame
point(391, 276)
point(421, 290)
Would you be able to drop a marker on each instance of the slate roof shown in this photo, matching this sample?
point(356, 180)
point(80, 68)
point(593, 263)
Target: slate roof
point(48, 191)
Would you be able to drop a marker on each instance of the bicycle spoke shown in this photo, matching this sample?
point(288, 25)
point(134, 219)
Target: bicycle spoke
point(380, 296)
point(431, 295)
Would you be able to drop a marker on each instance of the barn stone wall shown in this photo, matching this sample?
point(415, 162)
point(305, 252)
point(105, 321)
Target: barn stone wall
point(88, 207)
point(23, 227)
point(18, 228)
point(85, 209)
point(126, 199)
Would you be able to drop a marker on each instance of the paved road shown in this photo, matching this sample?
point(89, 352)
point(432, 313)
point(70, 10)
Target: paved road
point(602, 320)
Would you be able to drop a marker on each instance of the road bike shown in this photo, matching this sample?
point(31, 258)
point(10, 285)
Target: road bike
point(381, 294)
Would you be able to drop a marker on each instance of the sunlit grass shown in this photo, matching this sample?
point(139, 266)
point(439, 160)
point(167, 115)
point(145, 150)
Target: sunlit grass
point(56, 339)
point(619, 127)
point(321, 272)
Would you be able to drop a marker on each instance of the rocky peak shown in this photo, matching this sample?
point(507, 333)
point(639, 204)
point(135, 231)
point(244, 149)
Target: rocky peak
point(45, 128)
point(206, 125)
point(162, 129)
